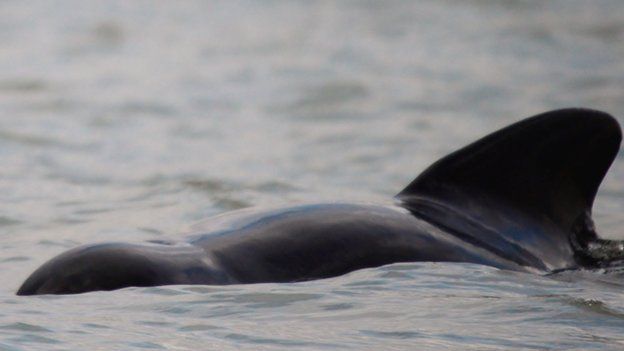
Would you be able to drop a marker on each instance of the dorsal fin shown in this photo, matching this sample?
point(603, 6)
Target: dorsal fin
point(546, 168)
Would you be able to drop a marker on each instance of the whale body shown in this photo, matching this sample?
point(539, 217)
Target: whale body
point(518, 199)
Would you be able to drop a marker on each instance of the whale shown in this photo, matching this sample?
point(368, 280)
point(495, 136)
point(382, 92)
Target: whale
point(518, 199)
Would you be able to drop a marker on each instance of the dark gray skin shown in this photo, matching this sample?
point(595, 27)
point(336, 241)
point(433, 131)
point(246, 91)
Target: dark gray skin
point(518, 199)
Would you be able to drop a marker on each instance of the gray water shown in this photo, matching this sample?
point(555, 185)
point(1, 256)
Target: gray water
point(131, 120)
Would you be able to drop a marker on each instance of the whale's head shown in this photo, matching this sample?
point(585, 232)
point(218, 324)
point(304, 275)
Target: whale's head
point(116, 265)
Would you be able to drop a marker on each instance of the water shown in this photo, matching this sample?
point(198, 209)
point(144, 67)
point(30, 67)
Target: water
point(132, 120)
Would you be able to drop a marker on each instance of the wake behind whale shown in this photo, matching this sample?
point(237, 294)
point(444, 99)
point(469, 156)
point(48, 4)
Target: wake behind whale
point(518, 199)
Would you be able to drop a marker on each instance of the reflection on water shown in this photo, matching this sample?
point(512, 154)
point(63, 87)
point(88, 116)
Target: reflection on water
point(129, 121)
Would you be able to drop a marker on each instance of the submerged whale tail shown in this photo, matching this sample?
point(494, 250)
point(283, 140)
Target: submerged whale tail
point(534, 182)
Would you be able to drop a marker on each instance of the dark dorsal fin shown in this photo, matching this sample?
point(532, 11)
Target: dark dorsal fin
point(546, 168)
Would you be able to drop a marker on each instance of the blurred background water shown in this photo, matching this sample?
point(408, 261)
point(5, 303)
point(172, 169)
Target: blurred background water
point(130, 120)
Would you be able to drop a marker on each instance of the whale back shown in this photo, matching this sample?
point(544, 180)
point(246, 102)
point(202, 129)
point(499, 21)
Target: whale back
point(532, 183)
